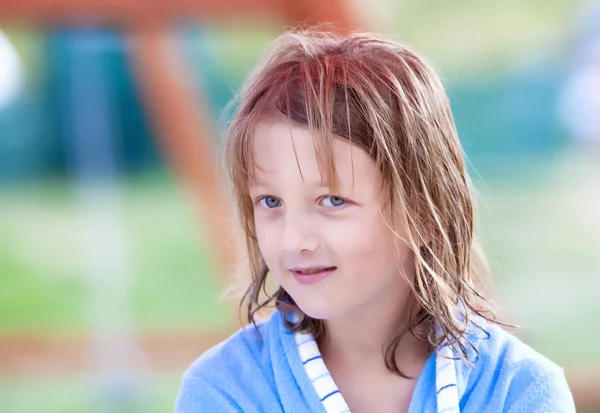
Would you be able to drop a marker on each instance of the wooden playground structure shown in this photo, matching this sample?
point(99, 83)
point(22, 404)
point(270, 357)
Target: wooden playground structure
point(186, 134)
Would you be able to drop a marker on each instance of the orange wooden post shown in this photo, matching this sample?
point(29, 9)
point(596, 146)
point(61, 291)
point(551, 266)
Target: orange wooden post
point(185, 131)
point(124, 12)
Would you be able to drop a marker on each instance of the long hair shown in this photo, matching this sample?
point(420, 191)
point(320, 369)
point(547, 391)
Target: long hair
point(385, 99)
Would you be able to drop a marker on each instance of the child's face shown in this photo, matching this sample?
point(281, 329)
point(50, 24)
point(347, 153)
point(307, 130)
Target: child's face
point(300, 226)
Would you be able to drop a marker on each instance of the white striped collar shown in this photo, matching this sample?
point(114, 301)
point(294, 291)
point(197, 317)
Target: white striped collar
point(332, 399)
point(446, 386)
point(319, 376)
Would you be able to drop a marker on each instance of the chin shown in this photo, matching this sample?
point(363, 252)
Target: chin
point(317, 314)
point(319, 309)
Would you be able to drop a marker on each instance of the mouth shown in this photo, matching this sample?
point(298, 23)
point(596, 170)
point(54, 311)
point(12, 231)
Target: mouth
point(311, 275)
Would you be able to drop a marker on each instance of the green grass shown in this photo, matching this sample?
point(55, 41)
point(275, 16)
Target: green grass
point(171, 280)
point(74, 394)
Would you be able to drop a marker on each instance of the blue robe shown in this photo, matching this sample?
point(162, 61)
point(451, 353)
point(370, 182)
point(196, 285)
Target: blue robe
point(251, 374)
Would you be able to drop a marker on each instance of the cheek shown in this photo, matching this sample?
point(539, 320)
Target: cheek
point(363, 239)
point(267, 235)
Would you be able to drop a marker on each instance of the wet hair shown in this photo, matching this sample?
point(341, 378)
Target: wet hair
point(385, 99)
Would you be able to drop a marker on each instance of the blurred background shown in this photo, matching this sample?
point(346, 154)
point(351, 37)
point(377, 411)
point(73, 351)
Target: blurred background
point(114, 237)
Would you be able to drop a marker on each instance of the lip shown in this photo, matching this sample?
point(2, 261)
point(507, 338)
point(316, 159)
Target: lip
point(312, 278)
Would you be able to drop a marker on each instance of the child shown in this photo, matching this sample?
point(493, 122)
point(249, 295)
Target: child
point(352, 192)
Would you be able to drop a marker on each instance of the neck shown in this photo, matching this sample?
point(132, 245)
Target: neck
point(360, 339)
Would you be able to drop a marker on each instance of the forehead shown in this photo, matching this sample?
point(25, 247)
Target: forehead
point(284, 152)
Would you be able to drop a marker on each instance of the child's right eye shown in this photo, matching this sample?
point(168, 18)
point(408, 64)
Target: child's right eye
point(269, 202)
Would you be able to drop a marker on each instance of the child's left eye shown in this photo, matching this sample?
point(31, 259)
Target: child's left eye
point(333, 201)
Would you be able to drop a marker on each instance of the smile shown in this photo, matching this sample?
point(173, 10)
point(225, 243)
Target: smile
point(311, 275)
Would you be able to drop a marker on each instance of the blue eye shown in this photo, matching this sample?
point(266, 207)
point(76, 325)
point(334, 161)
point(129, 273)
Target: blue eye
point(270, 202)
point(333, 201)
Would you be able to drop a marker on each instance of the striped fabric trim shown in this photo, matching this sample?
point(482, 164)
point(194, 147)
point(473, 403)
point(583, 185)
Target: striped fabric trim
point(332, 399)
point(317, 372)
point(445, 381)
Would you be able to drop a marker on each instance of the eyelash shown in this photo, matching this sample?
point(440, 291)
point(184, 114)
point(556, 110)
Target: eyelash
point(262, 198)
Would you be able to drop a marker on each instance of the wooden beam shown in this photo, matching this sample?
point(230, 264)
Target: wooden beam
point(338, 14)
point(118, 12)
point(186, 134)
point(127, 12)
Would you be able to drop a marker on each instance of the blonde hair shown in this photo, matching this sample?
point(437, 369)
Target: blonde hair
point(382, 97)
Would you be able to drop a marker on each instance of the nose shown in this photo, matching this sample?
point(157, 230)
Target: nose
point(299, 234)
